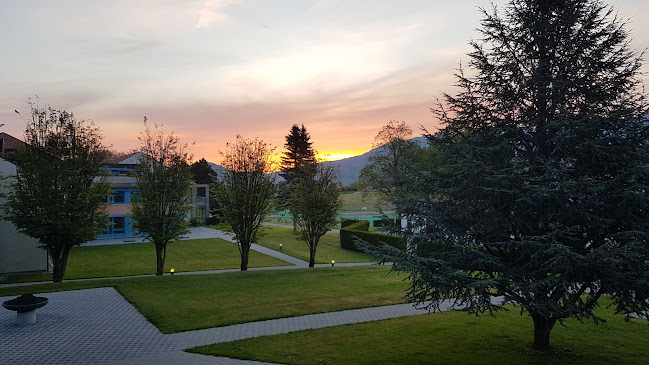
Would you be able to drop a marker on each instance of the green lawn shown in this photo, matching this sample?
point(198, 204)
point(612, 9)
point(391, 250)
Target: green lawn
point(450, 338)
point(190, 302)
point(353, 201)
point(140, 258)
point(221, 227)
point(328, 248)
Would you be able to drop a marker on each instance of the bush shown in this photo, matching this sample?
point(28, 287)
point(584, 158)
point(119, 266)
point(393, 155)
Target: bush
point(352, 229)
point(359, 225)
point(213, 220)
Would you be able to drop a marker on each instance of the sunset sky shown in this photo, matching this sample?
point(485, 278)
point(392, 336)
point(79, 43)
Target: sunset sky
point(211, 69)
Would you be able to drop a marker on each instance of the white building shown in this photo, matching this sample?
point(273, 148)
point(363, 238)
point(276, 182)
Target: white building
point(18, 253)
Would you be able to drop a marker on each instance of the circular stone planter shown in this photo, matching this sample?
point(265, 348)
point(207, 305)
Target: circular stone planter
point(25, 307)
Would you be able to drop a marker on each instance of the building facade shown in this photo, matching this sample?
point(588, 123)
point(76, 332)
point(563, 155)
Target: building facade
point(9, 143)
point(19, 253)
point(122, 177)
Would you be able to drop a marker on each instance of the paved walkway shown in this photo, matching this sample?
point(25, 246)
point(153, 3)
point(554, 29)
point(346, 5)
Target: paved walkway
point(98, 326)
point(288, 225)
point(194, 233)
point(203, 232)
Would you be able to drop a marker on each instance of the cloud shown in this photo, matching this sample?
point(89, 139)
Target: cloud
point(212, 12)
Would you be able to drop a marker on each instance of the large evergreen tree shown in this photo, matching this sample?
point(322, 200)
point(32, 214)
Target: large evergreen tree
point(202, 172)
point(541, 195)
point(59, 194)
point(299, 157)
point(298, 161)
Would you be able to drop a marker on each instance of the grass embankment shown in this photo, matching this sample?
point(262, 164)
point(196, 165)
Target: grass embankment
point(450, 338)
point(140, 259)
point(190, 302)
point(353, 201)
point(328, 248)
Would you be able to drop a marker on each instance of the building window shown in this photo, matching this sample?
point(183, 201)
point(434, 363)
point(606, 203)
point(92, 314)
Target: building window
point(200, 191)
point(117, 225)
point(118, 197)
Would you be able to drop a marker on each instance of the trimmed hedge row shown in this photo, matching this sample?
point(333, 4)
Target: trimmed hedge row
point(352, 229)
point(358, 224)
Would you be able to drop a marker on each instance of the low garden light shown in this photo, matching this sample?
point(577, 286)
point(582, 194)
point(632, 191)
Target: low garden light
point(280, 247)
point(172, 271)
point(332, 263)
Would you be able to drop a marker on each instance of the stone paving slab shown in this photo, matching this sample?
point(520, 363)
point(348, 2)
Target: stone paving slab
point(292, 324)
point(80, 327)
point(282, 256)
point(98, 326)
point(182, 358)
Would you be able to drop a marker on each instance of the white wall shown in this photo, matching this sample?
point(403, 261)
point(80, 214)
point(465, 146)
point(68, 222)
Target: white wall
point(18, 252)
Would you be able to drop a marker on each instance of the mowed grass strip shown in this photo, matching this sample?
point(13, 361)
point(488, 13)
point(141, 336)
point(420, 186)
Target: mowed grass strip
point(140, 259)
point(189, 302)
point(353, 201)
point(449, 338)
point(328, 248)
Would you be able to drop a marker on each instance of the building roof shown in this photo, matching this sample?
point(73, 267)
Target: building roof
point(120, 182)
point(9, 143)
point(129, 160)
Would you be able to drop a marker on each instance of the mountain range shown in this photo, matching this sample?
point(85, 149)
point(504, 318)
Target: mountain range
point(347, 168)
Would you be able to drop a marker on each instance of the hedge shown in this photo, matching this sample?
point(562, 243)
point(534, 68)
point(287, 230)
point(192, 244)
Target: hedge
point(348, 222)
point(352, 229)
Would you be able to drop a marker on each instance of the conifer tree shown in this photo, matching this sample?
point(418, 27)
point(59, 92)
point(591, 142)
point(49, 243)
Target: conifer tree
point(202, 172)
point(541, 192)
point(298, 161)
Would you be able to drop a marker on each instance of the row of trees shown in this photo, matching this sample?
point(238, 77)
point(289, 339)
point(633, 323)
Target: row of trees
point(248, 190)
point(60, 191)
point(535, 188)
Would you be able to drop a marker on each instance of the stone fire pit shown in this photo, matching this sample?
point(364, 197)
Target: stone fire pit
point(25, 307)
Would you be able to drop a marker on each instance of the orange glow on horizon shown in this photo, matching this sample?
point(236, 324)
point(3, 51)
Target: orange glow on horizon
point(276, 159)
point(337, 156)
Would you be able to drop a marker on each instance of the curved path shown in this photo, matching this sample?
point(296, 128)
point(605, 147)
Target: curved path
point(98, 326)
point(199, 233)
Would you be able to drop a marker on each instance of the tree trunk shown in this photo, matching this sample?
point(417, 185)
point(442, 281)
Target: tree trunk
point(312, 249)
point(245, 251)
point(542, 328)
point(312, 258)
point(59, 262)
point(294, 225)
point(160, 252)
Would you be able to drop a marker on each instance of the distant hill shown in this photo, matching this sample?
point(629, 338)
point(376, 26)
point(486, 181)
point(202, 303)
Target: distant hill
point(348, 168)
point(220, 170)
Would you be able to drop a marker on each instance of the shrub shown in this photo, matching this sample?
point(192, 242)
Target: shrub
point(213, 220)
point(352, 230)
point(346, 222)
